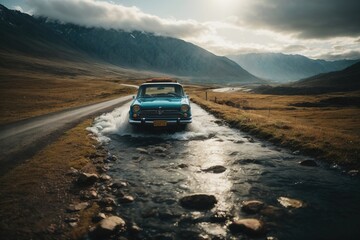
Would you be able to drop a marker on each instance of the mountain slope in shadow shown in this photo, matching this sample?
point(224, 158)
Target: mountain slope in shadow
point(339, 81)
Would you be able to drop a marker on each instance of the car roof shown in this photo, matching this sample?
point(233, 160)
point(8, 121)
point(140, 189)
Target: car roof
point(160, 83)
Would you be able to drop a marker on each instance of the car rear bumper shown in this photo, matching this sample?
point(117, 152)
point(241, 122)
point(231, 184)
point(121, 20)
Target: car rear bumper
point(144, 121)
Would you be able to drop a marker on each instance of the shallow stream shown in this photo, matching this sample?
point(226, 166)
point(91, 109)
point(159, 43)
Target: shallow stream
point(162, 167)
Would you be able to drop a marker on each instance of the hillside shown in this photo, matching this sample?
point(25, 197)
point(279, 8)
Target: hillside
point(286, 68)
point(345, 80)
point(40, 37)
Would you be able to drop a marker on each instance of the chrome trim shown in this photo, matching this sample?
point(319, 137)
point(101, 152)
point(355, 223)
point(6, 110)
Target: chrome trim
point(144, 121)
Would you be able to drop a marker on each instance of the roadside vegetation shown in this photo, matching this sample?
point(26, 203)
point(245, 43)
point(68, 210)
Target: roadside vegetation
point(35, 86)
point(35, 194)
point(325, 126)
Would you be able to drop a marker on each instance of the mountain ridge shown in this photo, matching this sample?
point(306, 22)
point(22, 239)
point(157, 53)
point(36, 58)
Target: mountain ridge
point(136, 50)
point(287, 68)
point(337, 81)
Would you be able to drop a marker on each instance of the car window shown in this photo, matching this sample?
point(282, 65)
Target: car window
point(161, 91)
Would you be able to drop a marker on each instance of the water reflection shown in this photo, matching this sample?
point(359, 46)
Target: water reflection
point(161, 168)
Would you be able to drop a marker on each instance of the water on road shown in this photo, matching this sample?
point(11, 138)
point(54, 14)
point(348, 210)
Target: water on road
point(162, 167)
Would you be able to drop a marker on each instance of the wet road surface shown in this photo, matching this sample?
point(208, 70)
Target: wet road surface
point(20, 140)
point(163, 167)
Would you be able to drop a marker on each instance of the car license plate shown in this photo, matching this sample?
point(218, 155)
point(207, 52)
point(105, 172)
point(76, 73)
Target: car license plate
point(160, 123)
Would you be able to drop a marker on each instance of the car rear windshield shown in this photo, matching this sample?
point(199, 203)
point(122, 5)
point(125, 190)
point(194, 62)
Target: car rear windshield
point(161, 91)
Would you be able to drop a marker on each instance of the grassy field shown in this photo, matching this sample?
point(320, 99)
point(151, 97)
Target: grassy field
point(34, 86)
point(34, 195)
point(326, 126)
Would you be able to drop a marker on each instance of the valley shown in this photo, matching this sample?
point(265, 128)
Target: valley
point(272, 152)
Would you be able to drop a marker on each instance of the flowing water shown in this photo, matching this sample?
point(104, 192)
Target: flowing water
point(162, 167)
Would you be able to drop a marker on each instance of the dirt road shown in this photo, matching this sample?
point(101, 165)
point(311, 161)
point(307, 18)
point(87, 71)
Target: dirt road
point(20, 140)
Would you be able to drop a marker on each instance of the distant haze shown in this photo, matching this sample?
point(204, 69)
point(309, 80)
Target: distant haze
point(286, 68)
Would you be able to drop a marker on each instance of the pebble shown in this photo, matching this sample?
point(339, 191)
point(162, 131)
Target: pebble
point(98, 217)
point(142, 150)
point(183, 165)
point(105, 177)
point(353, 173)
point(77, 207)
point(290, 202)
point(109, 226)
point(308, 163)
point(215, 169)
point(126, 199)
point(87, 178)
point(248, 226)
point(159, 149)
point(119, 184)
point(252, 206)
point(198, 201)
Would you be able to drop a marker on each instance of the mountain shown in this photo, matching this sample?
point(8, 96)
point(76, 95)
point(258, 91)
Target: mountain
point(41, 37)
point(286, 68)
point(339, 81)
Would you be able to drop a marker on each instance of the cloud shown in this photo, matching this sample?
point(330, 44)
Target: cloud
point(351, 55)
point(294, 48)
point(92, 13)
point(304, 18)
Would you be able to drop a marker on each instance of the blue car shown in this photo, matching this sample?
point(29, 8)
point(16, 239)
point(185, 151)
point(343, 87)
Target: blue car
point(160, 103)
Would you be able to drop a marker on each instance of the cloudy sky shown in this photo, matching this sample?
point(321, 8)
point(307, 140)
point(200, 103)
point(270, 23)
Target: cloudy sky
point(326, 29)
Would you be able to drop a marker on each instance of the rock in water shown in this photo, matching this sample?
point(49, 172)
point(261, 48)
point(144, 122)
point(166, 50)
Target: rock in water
point(109, 226)
point(142, 150)
point(87, 178)
point(215, 169)
point(77, 207)
point(248, 226)
point(198, 202)
point(289, 202)
point(252, 206)
point(308, 163)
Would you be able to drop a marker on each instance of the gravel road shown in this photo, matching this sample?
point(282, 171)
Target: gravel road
point(21, 140)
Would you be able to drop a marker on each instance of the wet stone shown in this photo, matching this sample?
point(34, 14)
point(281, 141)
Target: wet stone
point(252, 206)
point(183, 165)
point(72, 172)
point(142, 150)
point(108, 209)
point(119, 184)
point(134, 228)
point(353, 173)
point(87, 178)
point(198, 202)
point(107, 201)
point(109, 226)
point(98, 217)
point(290, 202)
point(105, 177)
point(248, 226)
point(77, 207)
point(88, 194)
point(159, 150)
point(215, 169)
point(126, 199)
point(308, 163)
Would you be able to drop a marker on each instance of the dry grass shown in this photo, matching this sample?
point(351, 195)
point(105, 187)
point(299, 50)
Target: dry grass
point(32, 86)
point(329, 132)
point(34, 195)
